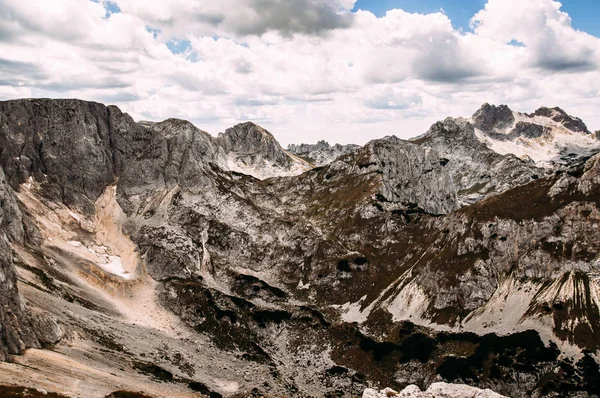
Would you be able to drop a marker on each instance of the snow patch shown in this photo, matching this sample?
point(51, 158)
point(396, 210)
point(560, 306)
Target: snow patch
point(351, 312)
point(410, 303)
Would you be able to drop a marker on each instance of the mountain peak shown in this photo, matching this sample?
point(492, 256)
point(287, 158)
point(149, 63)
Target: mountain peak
point(491, 117)
point(248, 129)
point(250, 149)
point(560, 116)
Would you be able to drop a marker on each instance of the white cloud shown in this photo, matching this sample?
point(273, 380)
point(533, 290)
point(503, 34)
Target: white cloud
point(306, 69)
point(543, 28)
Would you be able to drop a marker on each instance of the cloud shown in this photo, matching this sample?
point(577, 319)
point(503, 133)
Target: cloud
point(393, 98)
point(306, 69)
point(295, 16)
point(544, 29)
point(178, 18)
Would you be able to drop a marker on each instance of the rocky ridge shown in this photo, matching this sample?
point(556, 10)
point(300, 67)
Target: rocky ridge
point(362, 272)
point(550, 136)
point(322, 152)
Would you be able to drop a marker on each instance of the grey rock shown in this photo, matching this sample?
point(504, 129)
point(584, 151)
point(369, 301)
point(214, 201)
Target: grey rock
point(249, 148)
point(168, 252)
point(272, 271)
point(52, 140)
point(491, 117)
point(412, 175)
point(247, 140)
point(560, 116)
point(20, 328)
point(321, 153)
point(477, 171)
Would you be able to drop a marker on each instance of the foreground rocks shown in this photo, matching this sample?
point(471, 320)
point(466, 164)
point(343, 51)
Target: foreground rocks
point(436, 390)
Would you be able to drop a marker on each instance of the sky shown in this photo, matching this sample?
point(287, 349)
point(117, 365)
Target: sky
point(340, 70)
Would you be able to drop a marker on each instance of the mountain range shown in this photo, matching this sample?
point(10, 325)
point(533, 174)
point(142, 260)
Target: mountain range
point(157, 259)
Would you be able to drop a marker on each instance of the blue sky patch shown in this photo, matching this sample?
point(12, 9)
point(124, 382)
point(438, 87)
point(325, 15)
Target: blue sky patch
point(584, 13)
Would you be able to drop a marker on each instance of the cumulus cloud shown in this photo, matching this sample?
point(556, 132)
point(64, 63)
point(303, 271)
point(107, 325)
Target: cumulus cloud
point(544, 29)
point(306, 69)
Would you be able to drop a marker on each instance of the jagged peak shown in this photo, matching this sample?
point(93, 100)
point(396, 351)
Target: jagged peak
point(490, 117)
point(304, 147)
point(560, 116)
point(546, 111)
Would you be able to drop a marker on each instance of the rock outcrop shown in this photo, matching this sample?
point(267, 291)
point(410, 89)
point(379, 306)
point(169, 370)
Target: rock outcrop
point(550, 137)
point(20, 327)
point(560, 116)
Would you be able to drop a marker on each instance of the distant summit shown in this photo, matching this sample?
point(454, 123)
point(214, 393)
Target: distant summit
point(321, 153)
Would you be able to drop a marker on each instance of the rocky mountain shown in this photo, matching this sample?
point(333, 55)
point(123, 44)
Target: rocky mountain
point(478, 171)
point(549, 136)
point(252, 150)
point(321, 153)
point(141, 260)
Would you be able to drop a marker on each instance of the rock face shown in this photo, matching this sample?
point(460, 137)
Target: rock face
point(559, 116)
point(498, 149)
point(19, 327)
point(321, 153)
point(493, 118)
point(155, 257)
point(411, 175)
point(478, 172)
point(51, 140)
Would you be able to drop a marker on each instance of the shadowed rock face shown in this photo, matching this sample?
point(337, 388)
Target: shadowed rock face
point(67, 145)
point(491, 117)
point(319, 284)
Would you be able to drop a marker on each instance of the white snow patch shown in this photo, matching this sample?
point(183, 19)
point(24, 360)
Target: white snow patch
point(114, 265)
point(351, 312)
point(302, 286)
point(410, 303)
